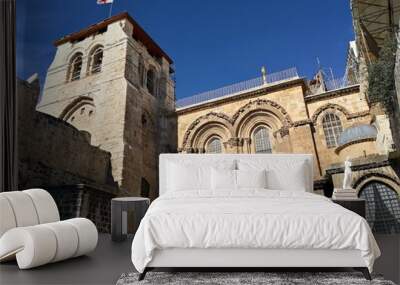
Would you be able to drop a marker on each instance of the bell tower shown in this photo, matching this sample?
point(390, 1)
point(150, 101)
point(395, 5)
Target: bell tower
point(114, 83)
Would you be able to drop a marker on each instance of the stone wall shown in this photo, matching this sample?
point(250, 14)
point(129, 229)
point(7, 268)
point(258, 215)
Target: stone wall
point(294, 118)
point(53, 154)
point(352, 109)
point(281, 106)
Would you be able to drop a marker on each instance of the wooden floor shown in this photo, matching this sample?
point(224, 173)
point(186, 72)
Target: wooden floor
point(111, 259)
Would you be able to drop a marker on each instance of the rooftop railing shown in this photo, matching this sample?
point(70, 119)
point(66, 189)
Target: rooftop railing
point(240, 87)
point(338, 83)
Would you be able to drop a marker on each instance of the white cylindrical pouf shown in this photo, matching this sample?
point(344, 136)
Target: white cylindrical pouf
point(46, 208)
point(67, 240)
point(23, 207)
point(34, 246)
point(7, 218)
point(87, 234)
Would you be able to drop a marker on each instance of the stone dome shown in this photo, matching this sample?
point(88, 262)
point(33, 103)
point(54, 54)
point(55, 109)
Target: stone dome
point(356, 133)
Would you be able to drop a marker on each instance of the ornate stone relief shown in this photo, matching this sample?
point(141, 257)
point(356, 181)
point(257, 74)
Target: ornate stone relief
point(75, 105)
point(212, 116)
point(258, 104)
point(235, 142)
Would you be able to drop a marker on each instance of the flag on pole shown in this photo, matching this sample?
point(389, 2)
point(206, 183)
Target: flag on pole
point(100, 2)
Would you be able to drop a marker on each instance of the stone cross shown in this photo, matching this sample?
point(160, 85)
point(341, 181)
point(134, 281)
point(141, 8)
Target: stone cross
point(264, 74)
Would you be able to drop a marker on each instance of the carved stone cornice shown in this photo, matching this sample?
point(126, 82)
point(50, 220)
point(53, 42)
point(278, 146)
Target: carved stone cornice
point(359, 167)
point(233, 142)
point(302, 123)
point(284, 131)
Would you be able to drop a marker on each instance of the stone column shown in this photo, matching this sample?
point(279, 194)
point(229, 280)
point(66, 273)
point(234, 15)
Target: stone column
point(246, 148)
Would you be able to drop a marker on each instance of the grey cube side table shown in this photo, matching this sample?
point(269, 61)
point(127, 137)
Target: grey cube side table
point(119, 213)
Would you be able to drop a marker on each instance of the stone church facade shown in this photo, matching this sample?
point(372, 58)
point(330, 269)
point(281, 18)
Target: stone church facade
point(293, 116)
point(114, 86)
point(113, 83)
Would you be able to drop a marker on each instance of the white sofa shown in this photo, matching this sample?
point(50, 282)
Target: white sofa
point(31, 230)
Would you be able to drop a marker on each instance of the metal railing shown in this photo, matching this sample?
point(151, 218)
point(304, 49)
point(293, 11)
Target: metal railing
point(287, 74)
point(338, 83)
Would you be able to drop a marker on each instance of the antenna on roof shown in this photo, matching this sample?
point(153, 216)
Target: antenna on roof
point(333, 78)
point(319, 63)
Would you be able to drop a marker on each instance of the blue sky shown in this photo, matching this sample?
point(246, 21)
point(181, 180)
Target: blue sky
point(213, 43)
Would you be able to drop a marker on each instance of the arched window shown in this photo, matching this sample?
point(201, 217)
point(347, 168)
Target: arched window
point(383, 207)
point(75, 67)
point(332, 129)
point(95, 60)
point(141, 71)
point(151, 78)
point(214, 145)
point(262, 143)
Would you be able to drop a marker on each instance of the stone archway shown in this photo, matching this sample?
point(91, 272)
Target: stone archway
point(387, 179)
point(203, 128)
point(265, 113)
point(81, 113)
point(341, 111)
point(383, 206)
point(261, 106)
point(76, 104)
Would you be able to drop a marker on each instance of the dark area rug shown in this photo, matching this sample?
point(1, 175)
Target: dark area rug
point(273, 278)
